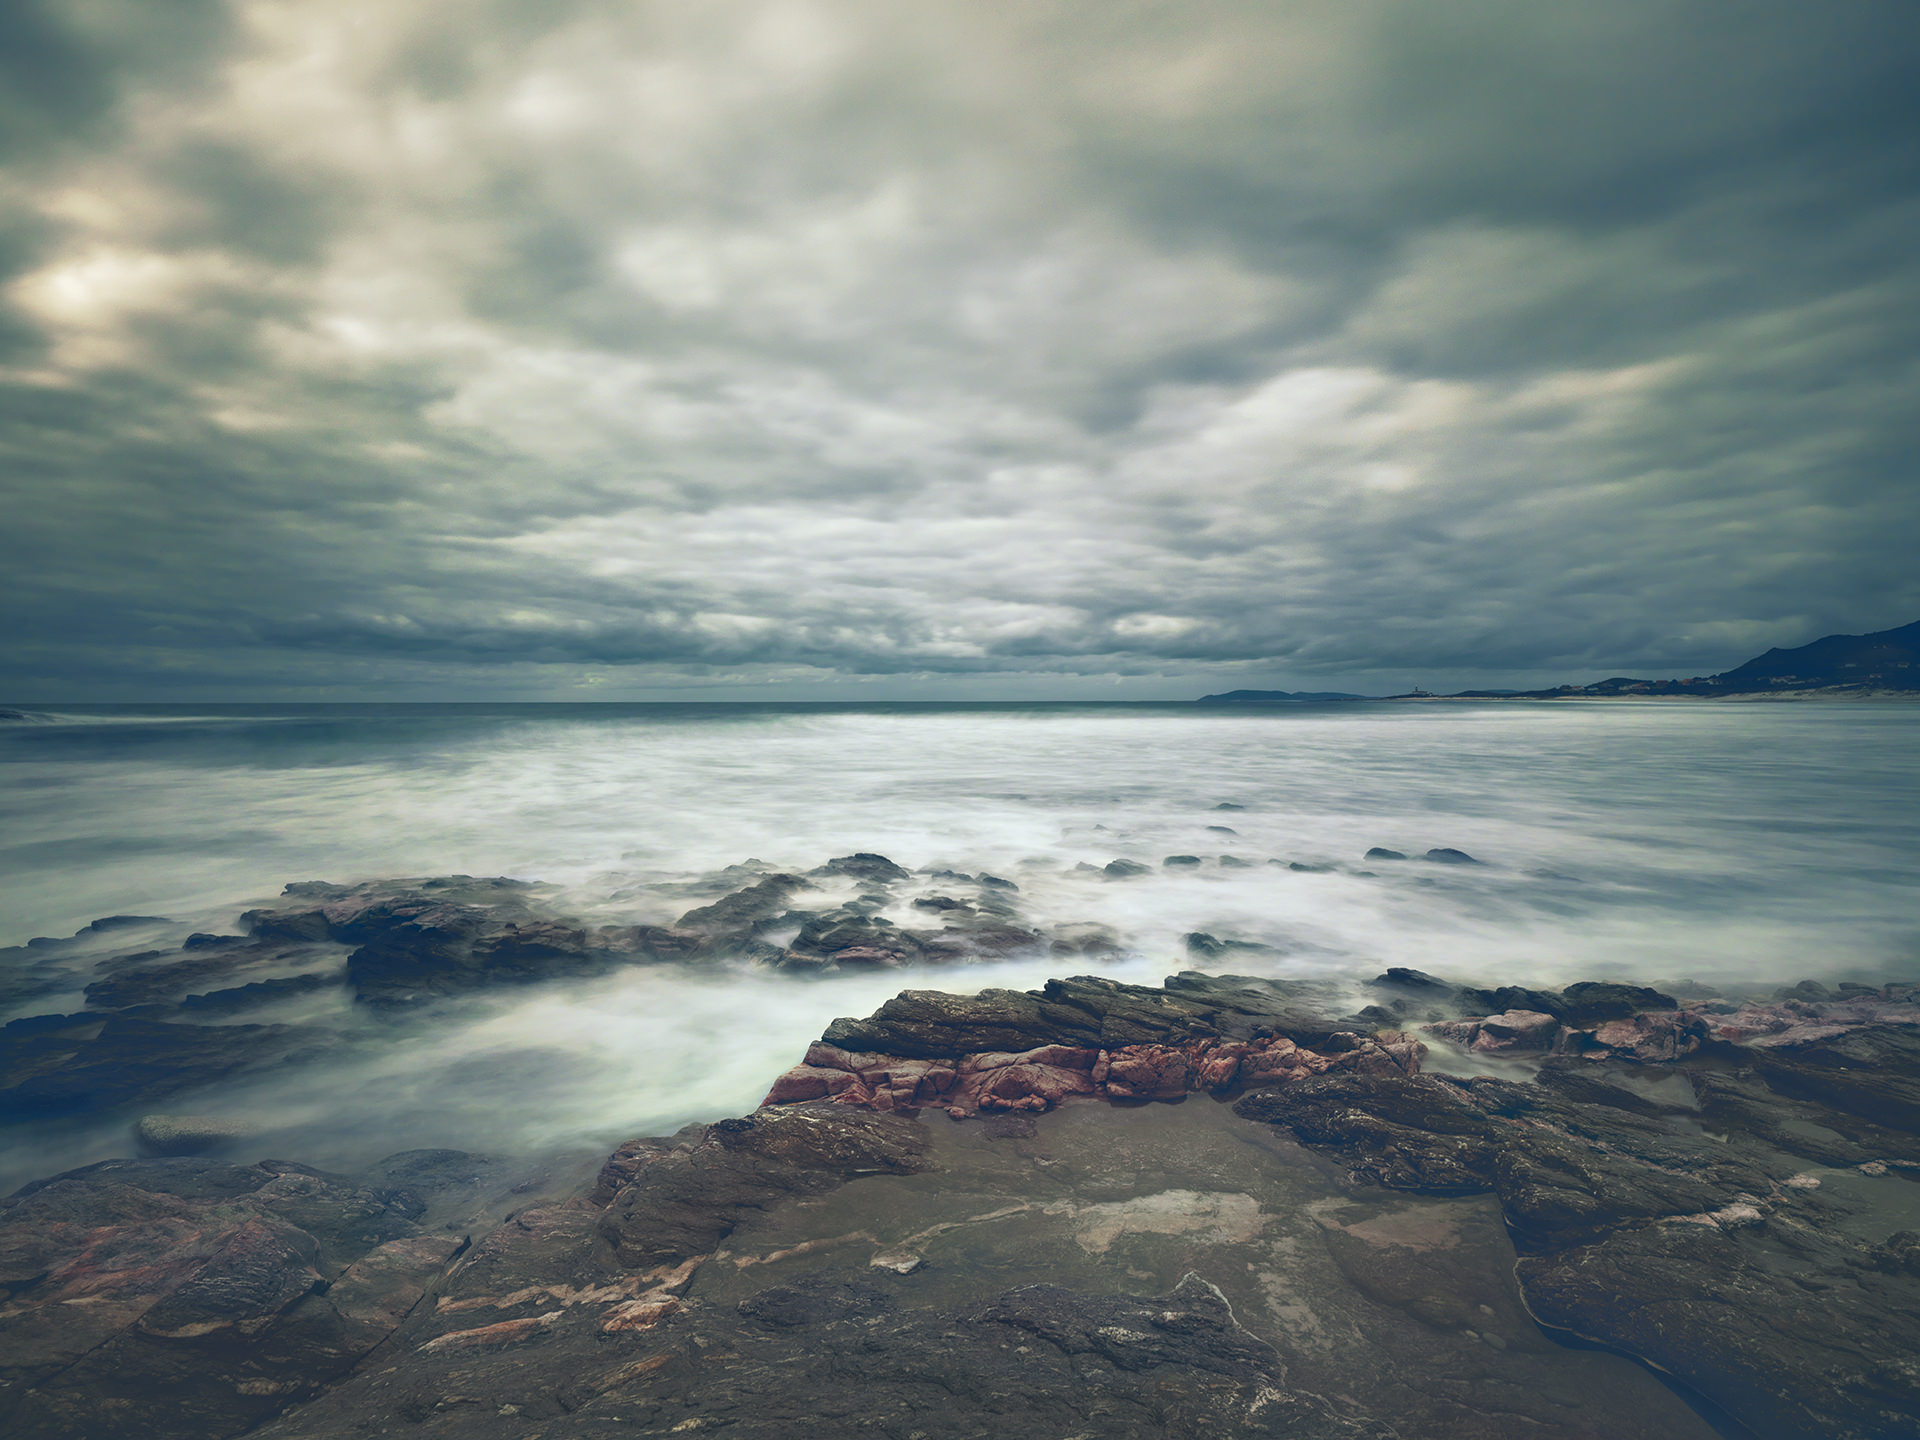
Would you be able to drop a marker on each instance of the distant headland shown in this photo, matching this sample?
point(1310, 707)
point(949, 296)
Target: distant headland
point(1886, 662)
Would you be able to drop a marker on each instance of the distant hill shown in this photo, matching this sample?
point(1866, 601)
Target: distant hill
point(1276, 697)
point(1842, 664)
point(1889, 658)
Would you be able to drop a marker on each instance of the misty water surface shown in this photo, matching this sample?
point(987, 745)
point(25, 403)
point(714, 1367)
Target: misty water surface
point(1723, 843)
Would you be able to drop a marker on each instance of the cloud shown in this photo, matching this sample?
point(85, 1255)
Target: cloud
point(492, 346)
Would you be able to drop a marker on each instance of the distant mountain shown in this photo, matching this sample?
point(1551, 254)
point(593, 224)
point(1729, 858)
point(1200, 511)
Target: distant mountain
point(1844, 664)
point(1276, 697)
point(1889, 658)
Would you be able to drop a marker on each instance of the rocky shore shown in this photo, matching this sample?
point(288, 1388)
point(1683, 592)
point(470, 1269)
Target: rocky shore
point(160, 1013)
point(1222, 1206)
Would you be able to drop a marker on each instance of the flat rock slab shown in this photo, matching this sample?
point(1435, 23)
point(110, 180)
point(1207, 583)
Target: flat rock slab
point(189, 1299)
point(1094, 1271)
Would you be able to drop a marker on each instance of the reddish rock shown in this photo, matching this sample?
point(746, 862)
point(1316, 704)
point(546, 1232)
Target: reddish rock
point(1011, 1086)
point(1513, 1031)
point(1275, 1062)
point(1218, 1071)
point(938, 1081)
point(1146, 1072)
point(1066, 1057)
point(808, 1082)
point(1660, 1035)
point(1773, 1024)
point(1406, 1051)
point(904, 1084)
point(1041, 1077)
point(831, 1057)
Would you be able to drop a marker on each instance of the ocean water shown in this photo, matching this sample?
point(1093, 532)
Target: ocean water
point(1728, 844)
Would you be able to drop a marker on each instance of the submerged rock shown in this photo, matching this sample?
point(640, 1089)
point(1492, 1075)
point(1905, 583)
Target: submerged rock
point(85, 1063)
point(189, 1134)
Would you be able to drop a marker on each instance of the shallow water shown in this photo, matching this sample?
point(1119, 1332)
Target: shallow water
point(1724, 843)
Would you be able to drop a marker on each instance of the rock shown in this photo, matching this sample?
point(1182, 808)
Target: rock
point(744, 910)
point(1177, 862)
point(258, 993)
point(1143, 1072)
point(1223, 829)
point(1510, 1031)
point(150, 977)
point(1031, 1086)
point(202, 940)
point(1305, 869)
point(189, 1134)
point(928, 1023)
point(1669, 1239)
point(1805, 990)
point(1381, 853)
point(1403, 1132)
point(807, 1082)
point(1089, 1012)
point(1228, 805)
point(865, 866)
point(1124, 869)
point(1197, 1031)
point(1191, 1328)
point(1706, 1303)
point(1445, 856)
point(422, 940)
point(731, 1277)
point(1651, 1037)
point(1512, 997)
point(100, 1063)
point(1871, 1073)
point(1592, 1000)
point(192, 1299)
point(688, 1200)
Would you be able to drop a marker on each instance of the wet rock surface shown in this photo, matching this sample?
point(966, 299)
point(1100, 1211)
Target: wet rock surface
point(1359, 1242)
point(192, 1298)
point(1729, 1223)
point(1096, 1271)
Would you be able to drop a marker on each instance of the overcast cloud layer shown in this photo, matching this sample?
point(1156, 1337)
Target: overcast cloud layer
point(519, 347)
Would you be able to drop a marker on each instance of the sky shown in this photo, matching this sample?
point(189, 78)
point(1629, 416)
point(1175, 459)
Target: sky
point(608, 349)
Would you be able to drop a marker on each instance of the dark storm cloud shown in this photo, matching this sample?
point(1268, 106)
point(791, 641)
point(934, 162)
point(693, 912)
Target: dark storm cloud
point(519, 346)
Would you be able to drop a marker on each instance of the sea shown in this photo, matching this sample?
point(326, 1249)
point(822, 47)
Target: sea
point(1717, 844)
